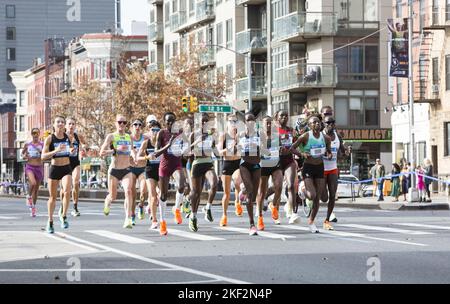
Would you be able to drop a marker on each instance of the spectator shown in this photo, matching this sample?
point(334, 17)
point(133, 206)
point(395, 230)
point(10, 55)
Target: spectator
point(372, 174)
point(380, 172)
point(428, 168)
point(406, 180)
point(395, 191)
point(420, 183)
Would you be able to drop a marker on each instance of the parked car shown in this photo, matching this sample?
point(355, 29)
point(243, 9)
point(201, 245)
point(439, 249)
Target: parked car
point(345, 189)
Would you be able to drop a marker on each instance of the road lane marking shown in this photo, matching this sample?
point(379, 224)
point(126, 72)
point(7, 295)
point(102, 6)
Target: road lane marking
point(386, 229)
point(156, 262)
point(190, 235)
point(190, 282)
point(62, 239)
point(87, 270)
point(342, 234)
point(119, 237)
point(352, 234)
point(261, 233)
point(424, 226)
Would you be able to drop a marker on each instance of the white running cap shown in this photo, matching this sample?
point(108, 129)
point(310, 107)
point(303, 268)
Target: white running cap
point(151, 118)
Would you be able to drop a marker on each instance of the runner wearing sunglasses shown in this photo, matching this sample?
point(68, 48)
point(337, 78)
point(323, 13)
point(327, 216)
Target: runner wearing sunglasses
point(34, 169)
point(119, 145)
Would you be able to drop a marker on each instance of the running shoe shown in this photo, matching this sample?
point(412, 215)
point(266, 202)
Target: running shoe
point(178, 219)
point(33, 211)
point(163, 228)
point(208, 215)
point(128, 223)
point(266, 205)
point(154, 225)
point(294, 219)
point(49, 228)
point(238, 208)
point(60, 214)
point(141, 214)
point(253, 230)
point(193, 224)
point(75, 211)
point(277, 222)
point(29, 201)
point(333, 218)
point(223, 221)
point(186, 206)
point(106, 209)
point(260, 223)
point(327, 225)
point(133, 220)
point(287, 210)
point(64, 223)
point(313, 228)
point(309, 203)
point(274, 211)
point(188, 214)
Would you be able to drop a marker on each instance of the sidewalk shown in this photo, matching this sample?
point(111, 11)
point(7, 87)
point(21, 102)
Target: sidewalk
point(439, 202)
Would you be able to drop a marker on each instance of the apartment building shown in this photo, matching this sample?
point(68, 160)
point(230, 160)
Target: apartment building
point(303, 53)
point(431, 87)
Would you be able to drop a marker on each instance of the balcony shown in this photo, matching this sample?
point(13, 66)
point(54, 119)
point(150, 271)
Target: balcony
point(258, 88)
point(300, 77)
point(250, 2)
point(174, 24)
point(426, 93)
point(298, 26)
point(156, 32)
point(204, 11)
point(251, 39)
point(440, 18)
point(207, 58)
point(156, 2)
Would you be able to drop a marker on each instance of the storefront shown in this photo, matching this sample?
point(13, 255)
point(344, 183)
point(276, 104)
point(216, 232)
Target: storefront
point(367, 146)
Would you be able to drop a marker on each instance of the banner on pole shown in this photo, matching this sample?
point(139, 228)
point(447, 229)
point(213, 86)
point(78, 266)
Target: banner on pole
point(399, 57)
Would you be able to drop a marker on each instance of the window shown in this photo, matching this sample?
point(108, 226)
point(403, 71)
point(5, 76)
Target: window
point(357, 108)
point(219, 34)
point(175, 48)
point(8, 77)
point(229, 77)
point(398, 9)
point(357, 13)
point(435, 68)
point(191, 7)
point(399, 91)
point(10, 33)
point(174, 6)
point(21, 98)
point(10, 54)
point(21, 123)
point(447, 10)
point(10, 11)
point(229, 30)
point(447, 72)
point(152, 56)
point(446, 138)
point(167, 52)
point(421, 151)
point(166, 14)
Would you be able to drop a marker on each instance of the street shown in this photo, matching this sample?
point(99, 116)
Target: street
point(367, 246)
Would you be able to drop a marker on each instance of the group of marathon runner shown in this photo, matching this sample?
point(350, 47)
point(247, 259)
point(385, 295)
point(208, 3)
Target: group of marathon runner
point(266, 159)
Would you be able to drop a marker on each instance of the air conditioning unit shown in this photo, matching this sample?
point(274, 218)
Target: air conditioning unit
point(435, 88)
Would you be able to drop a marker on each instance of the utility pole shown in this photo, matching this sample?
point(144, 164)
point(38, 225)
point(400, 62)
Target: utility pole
point(412, 195)
point(269, 57)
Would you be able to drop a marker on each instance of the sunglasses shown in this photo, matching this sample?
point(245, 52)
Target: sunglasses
point(329, 122)
point(122, 122)
point(328, 114)
point(34, 133)
point(137, 124)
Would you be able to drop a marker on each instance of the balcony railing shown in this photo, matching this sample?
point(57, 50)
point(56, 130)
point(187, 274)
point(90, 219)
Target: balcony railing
point(155, 32)
point(208, 57)
point(250, 39)
point(305, 24)
point(204, 10)
point(440, 16)
point(305, 75)
point(251, 2)
point(154, 2)
point(258, 87)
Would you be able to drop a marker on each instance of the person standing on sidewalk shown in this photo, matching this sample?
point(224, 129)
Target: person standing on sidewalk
point(372, 173)
point(395, 190)
point(406, 180)
point(34, 169)
point(428, 168)
point(379, 176)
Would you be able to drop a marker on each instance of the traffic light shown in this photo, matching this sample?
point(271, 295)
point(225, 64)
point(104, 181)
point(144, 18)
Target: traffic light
point(194, 104)
point(185, 104)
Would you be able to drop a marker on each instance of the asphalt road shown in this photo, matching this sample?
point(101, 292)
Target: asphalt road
point(368, 246)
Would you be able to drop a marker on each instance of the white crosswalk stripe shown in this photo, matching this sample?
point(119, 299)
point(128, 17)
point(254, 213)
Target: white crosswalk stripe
point(119, 237)
point(424, 226)
point(386, 229)
point(190, 235)
point(261, 233)
point(352, 234)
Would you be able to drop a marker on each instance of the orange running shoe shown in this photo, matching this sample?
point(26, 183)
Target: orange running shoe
point(163, 228)
point(238, 209)
point(274, 211)
point(178, 219)
point(223, 221)
point(260, 223)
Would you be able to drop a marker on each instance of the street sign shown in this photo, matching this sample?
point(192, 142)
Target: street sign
point(215, 108)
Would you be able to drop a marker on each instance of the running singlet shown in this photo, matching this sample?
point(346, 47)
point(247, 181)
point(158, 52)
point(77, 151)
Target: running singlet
point(138, 143)
point(205, 146)
point(316, 146)
point(250, 145)
point(56, 142)
point(332, 164)
point(286, 138)
point(76, 144)
point(150, 150)
point(272, 159)
point(122, 144)
point(35, 150)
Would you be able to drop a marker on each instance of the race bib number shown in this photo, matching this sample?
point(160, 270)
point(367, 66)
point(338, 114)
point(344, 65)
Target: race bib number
point(123, 147)
point(153, 160)
point(333, 152)
point(75, 150)
point(65, 151)
point(33, 152)
point(286, 140)
point(317, 151)
point(274, 154)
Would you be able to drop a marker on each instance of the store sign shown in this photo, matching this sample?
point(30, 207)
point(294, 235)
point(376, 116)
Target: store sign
point(366, 135)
